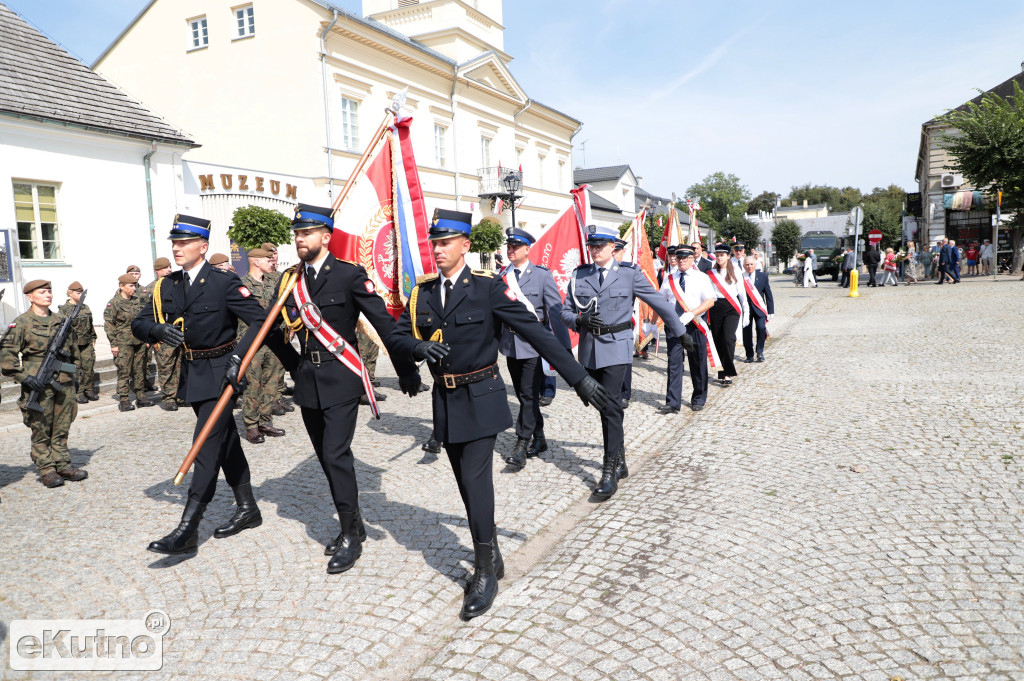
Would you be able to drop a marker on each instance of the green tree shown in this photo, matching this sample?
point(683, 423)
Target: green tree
point(720, 194)
point(252, 226)
point(743, 229)
point(764, 201)
point(785, 239)
point(838, 200)
point(624, 226)
point(987, 147)
point(486, 237)
point(883, 210)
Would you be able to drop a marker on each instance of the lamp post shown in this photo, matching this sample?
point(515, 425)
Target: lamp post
point(513, 182)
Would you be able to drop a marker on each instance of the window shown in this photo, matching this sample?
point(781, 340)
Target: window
point(439, 144)
point(561, 174)
point(245, 21)
point(35, 209)
point(519, 156)
point(350, 122)
point(198, 32)
point(541, 158)
point(485, 152)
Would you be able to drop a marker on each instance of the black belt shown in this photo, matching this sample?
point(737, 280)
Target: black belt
point(319, 356)
point(601, 330)
point(452, 381)
point(211, 353)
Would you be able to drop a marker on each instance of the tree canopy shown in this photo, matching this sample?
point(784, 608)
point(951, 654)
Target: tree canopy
point(744, 230)
point(838, 200)
point(785, 239)
point(765, 201)
point(252, 226)
point(720, 194)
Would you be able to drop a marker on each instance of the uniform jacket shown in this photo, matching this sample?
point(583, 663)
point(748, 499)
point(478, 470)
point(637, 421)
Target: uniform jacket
point(538, 286)
point(215, 302)
point(341, 291)
point(264, 293)
point(117, 320)
point(470, 324)
point(84, 329)
point(762, 286)
point(704, 265)
point(622, 283)
point(29, 336)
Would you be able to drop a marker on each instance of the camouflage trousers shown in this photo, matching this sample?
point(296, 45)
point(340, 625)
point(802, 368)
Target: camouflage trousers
point(50, 427)
point(86, 367)
point(276, 382)
point(168, 367)
point(131, 370)
point(261, 393)
point(368, 352)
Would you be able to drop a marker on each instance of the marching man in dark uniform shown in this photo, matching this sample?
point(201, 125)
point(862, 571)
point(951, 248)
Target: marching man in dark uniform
point(330, 378)
point(599, 306)
point(690, 287)
point(534, 286)
point(199, 307)
point(452, 321)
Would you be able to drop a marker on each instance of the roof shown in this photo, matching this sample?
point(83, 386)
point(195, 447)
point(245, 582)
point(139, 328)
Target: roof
point(812, 206)
point(1004, 89)
point(598, 202)
point(608, 173)
point(41, 81)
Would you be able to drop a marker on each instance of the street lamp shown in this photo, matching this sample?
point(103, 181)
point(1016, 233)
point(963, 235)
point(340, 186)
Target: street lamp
point(513, 181)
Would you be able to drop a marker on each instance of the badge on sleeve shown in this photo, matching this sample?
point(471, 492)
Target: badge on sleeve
point(244, 291)
point(369, 286)
point(511, 296)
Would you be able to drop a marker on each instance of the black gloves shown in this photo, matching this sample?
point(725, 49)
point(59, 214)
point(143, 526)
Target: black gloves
point(589, 320)
point(688, 344)
point(33, 383)
point(231, 376)
point(432, 351)
point(592, 392)
point(410, 384)
point(165, 333)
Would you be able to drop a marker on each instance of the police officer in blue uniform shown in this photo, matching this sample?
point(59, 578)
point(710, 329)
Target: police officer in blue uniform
point(199, 306)
point(599, 306)
point(627, 381)
point(540, 294)
point(453, 320)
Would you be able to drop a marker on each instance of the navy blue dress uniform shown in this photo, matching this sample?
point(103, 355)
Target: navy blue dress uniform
point(200, 309)
point(525, 368)
point(455, 322)
point(627, 380)
point(599, 306)
point(326, 391)
point(758, 319)
point(696, 289)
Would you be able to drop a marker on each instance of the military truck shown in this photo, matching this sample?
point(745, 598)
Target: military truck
point(826, 247)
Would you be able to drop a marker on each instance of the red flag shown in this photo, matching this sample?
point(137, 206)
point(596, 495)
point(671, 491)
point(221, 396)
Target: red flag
point(562, 246)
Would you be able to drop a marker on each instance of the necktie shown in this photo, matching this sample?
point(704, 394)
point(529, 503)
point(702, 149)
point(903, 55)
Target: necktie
point(447, 292)
point(600, 276)
point(682, 281)
point(310, 273)
point(188, 284)
point(517, 274)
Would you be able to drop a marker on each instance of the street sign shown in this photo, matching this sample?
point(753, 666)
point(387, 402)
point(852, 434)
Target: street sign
point(875, 236)
point(857, 215)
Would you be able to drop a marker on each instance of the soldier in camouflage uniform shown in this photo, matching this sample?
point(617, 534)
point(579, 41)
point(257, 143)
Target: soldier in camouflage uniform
point(85, 332)
point(129, 352)
point(168, 360)
point(143, 299)
point(279, 406)
point(368, 352)
point(258, 398)
point(22, 350)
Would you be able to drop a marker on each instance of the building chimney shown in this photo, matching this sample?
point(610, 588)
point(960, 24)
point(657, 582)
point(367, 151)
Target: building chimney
point(640, 181)
point(805, 203)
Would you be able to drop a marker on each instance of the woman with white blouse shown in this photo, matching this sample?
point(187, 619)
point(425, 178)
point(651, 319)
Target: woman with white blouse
point(729, 312)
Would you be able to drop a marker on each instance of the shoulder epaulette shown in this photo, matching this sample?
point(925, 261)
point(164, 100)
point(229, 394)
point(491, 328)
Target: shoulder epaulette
point(424, 278)
point(483, 273)
point(541, 267)
point(630, 265)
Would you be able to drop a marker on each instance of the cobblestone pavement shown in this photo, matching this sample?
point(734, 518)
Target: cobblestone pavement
point(849, 509)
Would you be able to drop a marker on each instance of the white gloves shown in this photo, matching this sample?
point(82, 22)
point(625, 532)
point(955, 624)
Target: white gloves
point(686, 318)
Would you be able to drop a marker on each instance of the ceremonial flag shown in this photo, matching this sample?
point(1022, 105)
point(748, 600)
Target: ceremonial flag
point(383, 223)
point(646, 323)
point(693, 206)
point(563, 245)
point(670, 237)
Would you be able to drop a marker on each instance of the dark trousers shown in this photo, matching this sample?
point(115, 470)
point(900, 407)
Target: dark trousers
point(845, 283)
point(872, 271)
point(330, 430)
point(222, 450)
point(724, 320)
point(611, 378)
point(550, 385)
point(674, 376)
point(698, 363)
point(528, 381)
point(627, 383)
point(954, 271)
point(748, 335)
point(471, 464)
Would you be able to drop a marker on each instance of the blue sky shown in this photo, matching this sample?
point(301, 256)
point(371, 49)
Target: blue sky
point(777, 93)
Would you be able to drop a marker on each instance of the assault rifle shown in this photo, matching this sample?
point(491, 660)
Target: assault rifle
point(55, 360)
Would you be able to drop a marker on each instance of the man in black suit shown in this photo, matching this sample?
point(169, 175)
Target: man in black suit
point(325, 307)
point(199, 306)
point(871, 259)
point(702, 263)
point(849, 263)
point(453, 320)
point(762, 308)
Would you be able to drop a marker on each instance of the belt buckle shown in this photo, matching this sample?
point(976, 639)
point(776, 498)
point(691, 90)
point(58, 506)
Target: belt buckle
point(449, 381)
point(314, 356)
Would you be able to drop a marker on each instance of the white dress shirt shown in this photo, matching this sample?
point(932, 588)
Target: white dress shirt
point(698, 289)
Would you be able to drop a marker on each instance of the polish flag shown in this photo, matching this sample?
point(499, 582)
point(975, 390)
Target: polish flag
point(563, 245)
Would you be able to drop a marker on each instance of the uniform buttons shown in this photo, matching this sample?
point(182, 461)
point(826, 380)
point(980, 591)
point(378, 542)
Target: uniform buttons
point(445, 325)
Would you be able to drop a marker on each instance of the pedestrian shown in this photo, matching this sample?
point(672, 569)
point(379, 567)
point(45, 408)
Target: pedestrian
point(809, 280)
point(701, 262)
point(872, 258)
point(129, 352)
point(329, 297)
point(972, 260)
point(462, 309)
point(198, 306)
point(729, 311)
point(535, 287)
point(258, 398)
point(691, 292)
point(599, 307)
point(849, 265)
point(910, 267)
point(986, 256)
point(814, 266)
point(85, 335)
point(739, 253)
point(889, 266)
point(22, 351)
point(953, 261)
point(762, 310)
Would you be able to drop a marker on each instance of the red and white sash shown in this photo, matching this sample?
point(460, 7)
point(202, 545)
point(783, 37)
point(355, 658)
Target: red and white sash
point(713, 358)
point(754, 296)
point(725, 293)
point(330, 339)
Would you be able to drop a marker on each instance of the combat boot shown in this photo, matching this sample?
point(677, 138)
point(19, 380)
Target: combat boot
point(168, 405)
point(143, 402)
point(91, 394)
point(125, 405)
point(185, 537)
point(517, 459)
point(349, 547)
point(431, 446)
point(360, 528)
point(499, 562)
point(622, 472)
point(609, 479)
point(483, 586)
point(51, 479)
point(538, 445)
point(82, 399)
point(247, 513)
point(277, 409)
point(73, 474)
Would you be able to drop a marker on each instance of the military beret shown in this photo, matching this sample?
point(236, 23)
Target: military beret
point(269, 247)
point(76, 286)
point(258, 253)
point(161, 263)
point(126, 279)
point(218, 258)
point(36, 284)
point(132, 268)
